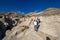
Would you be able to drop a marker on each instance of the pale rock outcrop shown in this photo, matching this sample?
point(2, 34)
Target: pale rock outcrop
point(24, 28)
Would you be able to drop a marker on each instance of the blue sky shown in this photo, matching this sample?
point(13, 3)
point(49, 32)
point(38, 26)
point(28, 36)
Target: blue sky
point(25, 6)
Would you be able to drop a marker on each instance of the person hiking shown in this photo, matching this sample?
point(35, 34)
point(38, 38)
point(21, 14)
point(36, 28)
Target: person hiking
point(36, 24)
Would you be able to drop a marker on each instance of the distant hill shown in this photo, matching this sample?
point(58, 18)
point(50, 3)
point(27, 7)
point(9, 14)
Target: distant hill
point(47, 12)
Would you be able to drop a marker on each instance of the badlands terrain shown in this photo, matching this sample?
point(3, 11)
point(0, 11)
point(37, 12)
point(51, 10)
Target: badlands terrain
point(15, 26)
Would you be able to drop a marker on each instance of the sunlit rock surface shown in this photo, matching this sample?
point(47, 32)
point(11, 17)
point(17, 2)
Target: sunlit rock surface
point(21, 27)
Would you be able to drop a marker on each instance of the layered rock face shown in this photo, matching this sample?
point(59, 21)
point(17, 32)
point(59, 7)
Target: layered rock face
point(16, 26)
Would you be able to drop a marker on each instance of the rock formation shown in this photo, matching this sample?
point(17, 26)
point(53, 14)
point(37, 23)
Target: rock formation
point(15, 26)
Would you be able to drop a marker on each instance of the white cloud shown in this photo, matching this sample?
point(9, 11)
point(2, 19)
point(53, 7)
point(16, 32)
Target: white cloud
point(35, 11)
point(20, 12)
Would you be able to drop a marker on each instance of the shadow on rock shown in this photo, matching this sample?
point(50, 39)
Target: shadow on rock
point(10, 23)
point(2, 30)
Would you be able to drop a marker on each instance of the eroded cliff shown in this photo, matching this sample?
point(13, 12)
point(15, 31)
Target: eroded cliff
point(15, 26)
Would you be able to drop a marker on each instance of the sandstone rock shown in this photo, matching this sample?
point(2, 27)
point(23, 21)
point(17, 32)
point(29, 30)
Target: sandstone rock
point(23, 27)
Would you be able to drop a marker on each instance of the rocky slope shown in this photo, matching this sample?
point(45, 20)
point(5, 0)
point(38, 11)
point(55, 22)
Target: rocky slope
point(14, 26)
